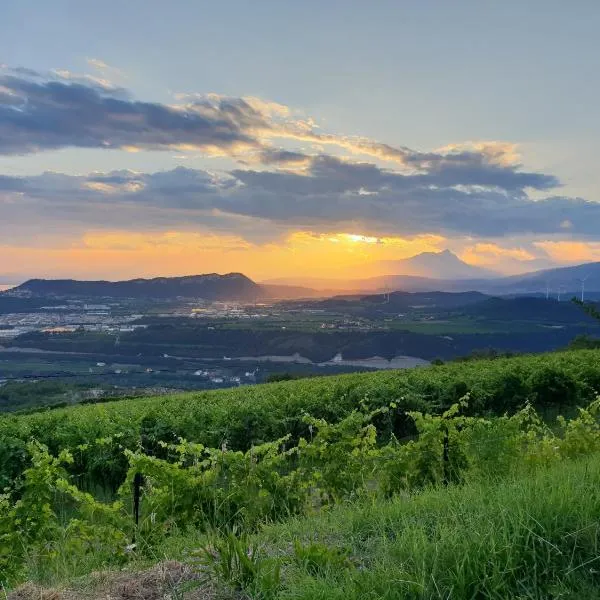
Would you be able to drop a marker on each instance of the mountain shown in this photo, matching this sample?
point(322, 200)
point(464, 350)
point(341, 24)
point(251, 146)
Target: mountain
point(236, 286)
point(437, 265)
point(424, 272)
point(232, 286)
point(561, 279)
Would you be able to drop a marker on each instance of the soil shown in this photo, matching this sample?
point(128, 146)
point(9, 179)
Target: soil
point(165, 581)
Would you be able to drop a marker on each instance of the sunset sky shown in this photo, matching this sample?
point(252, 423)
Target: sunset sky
point(291, 139)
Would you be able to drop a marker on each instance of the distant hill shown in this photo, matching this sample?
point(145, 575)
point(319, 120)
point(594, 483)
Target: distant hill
point(441, 300)
point(561, 279)
point(527, 308)
point(232, 286)
point(428, 271)
point(332, 287)
point(437, 265)
point(564, 280)
point(402, 301)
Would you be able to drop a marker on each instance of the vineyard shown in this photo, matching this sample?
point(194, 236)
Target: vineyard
point(299, 488)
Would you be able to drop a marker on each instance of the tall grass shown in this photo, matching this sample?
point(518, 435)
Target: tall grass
point(529, 537)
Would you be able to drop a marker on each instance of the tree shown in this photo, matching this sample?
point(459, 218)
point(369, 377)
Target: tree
point(588, 307)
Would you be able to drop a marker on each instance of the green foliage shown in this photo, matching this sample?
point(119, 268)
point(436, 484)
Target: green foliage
point(552, 386)
point(250, 416)
point(346, 450)
point(208, 487)
point(319, 559)
point(235, 561)
point(584, 342)
point(338, 460)
point(589, 308)
point(45, 517)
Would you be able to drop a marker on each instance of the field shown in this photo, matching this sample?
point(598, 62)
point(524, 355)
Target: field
point(451, 481)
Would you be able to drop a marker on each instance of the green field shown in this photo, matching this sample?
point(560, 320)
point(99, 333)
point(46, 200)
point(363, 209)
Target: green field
point(442, 482)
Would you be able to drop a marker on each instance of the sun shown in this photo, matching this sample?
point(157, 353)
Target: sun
point(357, 238)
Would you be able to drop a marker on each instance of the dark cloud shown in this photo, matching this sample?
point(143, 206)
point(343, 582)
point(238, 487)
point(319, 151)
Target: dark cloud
point(279, 158)
point(330, 174)
point(38, 114)
point(328, 194)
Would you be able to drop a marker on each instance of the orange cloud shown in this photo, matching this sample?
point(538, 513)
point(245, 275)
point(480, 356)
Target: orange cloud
point(571, 252)
point(490, 254)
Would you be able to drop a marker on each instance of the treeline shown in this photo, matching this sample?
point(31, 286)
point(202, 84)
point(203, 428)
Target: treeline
point(190, 339)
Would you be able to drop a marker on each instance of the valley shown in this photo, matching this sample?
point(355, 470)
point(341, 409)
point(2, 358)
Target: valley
point(92, 347)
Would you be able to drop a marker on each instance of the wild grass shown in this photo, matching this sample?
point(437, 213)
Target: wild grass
point(527, 537)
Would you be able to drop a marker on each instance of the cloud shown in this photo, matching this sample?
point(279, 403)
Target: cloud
point(568, 251)
point(508, 259)
point(284, 180)
point(493, 251)
point(105, 69)
point(66, 110)
point(329, 194)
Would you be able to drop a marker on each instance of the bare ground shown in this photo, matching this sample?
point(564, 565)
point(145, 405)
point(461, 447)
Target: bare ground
point(166, 581)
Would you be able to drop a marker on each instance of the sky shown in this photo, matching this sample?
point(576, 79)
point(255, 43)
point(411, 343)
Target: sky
point(291, 139)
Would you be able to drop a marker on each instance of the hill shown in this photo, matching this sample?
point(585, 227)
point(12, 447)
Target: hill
point(528, 308)
point(562, 279)
point(425, 273)
point(323, 488)
point(232, 286)
point(439, 300)
point(255, 414)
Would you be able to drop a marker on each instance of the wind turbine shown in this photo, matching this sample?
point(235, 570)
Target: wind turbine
point(583, 280)
point(386, 293)
point(561, 289)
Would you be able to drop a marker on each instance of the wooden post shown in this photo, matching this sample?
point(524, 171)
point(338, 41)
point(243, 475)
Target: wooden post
point(137, 489)
point(446, 456)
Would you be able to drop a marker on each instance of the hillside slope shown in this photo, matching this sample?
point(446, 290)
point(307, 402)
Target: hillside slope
point(256, 414)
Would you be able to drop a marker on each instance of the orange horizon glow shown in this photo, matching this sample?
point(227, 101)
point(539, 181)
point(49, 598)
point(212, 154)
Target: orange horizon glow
point(117, 255)
point(122, 254)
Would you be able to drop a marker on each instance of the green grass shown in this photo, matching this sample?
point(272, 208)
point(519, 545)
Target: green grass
point(528, 537)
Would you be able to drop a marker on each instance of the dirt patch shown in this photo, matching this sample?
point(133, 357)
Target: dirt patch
point(166, 581)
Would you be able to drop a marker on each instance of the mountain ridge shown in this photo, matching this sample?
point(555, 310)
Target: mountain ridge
point(209, 286)
point(437, 265)
point(237, 286)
